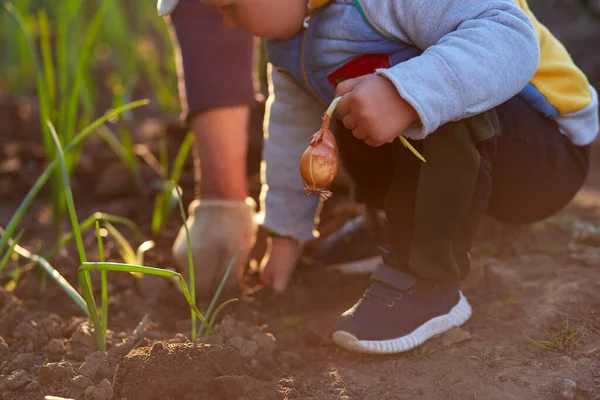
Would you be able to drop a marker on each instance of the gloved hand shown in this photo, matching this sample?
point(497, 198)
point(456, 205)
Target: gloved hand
point(218, 230)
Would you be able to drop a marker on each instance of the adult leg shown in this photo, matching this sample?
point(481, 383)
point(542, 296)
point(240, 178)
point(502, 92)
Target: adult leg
point(216, 89)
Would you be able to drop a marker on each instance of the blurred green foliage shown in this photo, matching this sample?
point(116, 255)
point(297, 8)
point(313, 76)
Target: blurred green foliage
point(132, 50)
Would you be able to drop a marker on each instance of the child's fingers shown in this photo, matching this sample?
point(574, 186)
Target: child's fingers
point(343, 106)
point(282, 279)
point(373, 142)
point(346, 86)
point(344, 90)
point(350, 121)
point(360, 133)
point(277, 275)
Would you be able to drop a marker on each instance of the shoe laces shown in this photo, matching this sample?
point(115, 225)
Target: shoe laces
point(382, 293)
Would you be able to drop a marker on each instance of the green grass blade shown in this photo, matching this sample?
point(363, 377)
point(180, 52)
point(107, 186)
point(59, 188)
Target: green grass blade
point(169, 203)
point(167, 200)
point(126, 250)
point(46, 51)
point(39, 75)
point(88, 223)
point(140, 269)
point(68, 194)
point(163, 155)
point(83, 56)
point(68, 11)
point(190, 257)
point(182, 154)
point(114, 143)
point(157, 213)
point(104, 284)
point(51, 271)
point(215, 298)
point(44, 106)
point(123, 149)
point(143, 248)
point(213, 318)
point(85, 283)
point(123, 267)
point(10, 251)
point(39, 184)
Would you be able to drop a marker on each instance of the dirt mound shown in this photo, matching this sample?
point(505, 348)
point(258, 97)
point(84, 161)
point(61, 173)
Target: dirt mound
point(226, 366)
point(176, 370)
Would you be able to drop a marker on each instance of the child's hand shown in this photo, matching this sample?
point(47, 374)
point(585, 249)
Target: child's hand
point(285, 253)
point(373, 109)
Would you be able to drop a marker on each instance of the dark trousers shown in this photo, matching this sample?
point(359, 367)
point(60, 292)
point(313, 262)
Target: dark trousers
point(214, 63)
point(524, 171)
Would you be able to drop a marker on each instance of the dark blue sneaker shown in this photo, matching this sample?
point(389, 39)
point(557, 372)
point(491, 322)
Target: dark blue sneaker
point(398, 313)
point(353, 249)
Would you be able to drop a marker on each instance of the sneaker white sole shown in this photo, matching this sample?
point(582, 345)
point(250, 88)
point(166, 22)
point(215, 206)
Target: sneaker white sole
point(458, 315)
point(359, 267)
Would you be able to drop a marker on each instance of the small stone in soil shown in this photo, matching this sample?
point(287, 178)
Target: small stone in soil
point(56, 346)
point(213, 339)
point(25, 331)
point(268, 362)
point(80, 353)
point(266, 342)
point(30, 347)
point(56, 372)
point(81, 382)
point(17, 380)
point(179, 338)
point(246, 348)
point(52, 326)
point(230, 328)
point(34, 385)
point(103, 391)
point(91, 365)
point(238, 387)
point(454, 336)
point(292, 359)
point(105, 370)
point(72, 325)
point(83, 336)
point(4, 349)
point(24, 362)
point(569, 389)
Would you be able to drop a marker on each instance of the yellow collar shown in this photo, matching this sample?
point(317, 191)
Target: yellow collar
point(314, 4)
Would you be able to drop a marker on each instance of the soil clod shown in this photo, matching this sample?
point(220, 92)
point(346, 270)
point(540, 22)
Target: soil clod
point(176, 369)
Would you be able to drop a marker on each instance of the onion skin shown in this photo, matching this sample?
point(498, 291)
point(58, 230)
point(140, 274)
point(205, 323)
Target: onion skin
point(319, 163)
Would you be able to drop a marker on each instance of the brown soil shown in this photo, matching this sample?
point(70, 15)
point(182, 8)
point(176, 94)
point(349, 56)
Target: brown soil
point(529, 284)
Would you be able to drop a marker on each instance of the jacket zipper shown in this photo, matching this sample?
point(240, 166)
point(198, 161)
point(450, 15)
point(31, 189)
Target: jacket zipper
point(303, 65)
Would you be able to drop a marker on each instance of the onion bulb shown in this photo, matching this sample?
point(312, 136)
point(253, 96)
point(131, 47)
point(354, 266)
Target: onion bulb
point(319, 163)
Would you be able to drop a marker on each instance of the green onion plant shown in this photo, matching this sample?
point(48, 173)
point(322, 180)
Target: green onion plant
point(167, 198)
point(57, 99)
point(99, 319)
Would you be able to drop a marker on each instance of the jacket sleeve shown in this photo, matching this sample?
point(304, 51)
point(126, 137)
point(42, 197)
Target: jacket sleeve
point(476, 55)
point(292, 116)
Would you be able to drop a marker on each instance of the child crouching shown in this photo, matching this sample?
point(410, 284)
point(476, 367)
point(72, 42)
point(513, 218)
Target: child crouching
point(484, 92)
